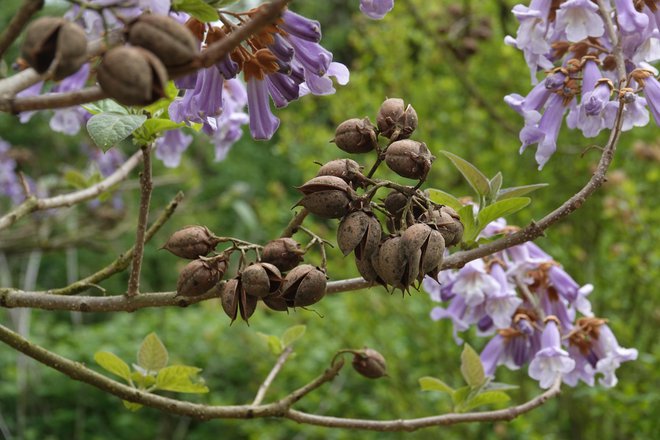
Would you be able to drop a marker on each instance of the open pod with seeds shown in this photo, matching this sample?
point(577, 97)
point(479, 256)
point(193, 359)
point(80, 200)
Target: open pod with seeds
point(356, 136)
point(409, 159)
point(191, 242)
point(285, 253)
point(347, 169)
point(199, 276)
point(304, 285)
point(261, 279)
point(326, 196)
point(56, 44)
point(393, 266)
point(421, 239)
point(359, 231)
point(447, 221)
point(396, 120)
point(236, 302)
point(174, 44)
point(132, 76)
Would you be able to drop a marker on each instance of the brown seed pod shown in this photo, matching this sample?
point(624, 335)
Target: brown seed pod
point(347, 169)
point(229, 298)
point(359, 231)
point(409, 159)
point(247, 305)
point(328, 204)
point(174, 44)
point(191, 242)
point(261, 279)
point(323, 183)
point(304, 285)
point(56, 44)
point(276, 303)
point(132, 76)
point(198, 276)
point(370, 363)
point(356, 136)
point(447, 221)
point(285, 253)
point(395, 120)
point(423, 246)
point(392, 266)
point(366, 268)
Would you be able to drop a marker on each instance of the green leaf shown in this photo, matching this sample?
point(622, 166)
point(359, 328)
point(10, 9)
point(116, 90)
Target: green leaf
point(469, 227)
point(76, 179)
point(156, 126)
point(152, 355)
point(292, 334)
point(517, 191)
point(458, 396)
point(428, 383)
point(474, 177)
point(273, 342)
point(499, 386)
point(197, 8)
point(142, 381)
point(114, 364)
point(442, 198)
point(495, 185)
point(485, 398)
point(105, 106)
point(181, 379)
point(471, 367)
point(501, 209)
point(131, 405)
point(106, 129)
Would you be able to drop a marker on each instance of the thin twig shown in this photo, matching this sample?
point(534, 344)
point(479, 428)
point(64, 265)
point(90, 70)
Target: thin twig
point(145, 201)
point(263, 388)
point(33, 204)
point(27, 9)
point(295, 223)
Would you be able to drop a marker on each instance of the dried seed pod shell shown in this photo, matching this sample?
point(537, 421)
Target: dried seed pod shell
point(395, 120)
point(409, 159)
point(276, 303)
point(254, 281)
point(174, 44)
point(391, 263)
point(229, 298)
point(367, 271)
point(346, 169)
point(247, 305)
point(304, 285)
point(197, 277)
point(323, 183)
point(191, 242)
point(356, 136)
point(51, 40)
point(132, 76)
point(327, 204)
point(370, 363)
point(285, 253)
point(432, 255)
point(414, 238)
point(359, 231)
point(448, 222)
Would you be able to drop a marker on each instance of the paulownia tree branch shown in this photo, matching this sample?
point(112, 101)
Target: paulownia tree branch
point(27, 9)
point(280, 408)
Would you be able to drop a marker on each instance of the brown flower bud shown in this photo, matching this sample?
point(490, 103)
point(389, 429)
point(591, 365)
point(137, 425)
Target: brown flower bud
point(56, 44)
point(395, 121)
point(409, 159)
point(359, 231)
point(261, 279)
point(304, 285)
point(191, 242)
point(285, 253)
point(198, 276)
point(369, 363)
point(174, 44)
point(132, 76)
point(356, 136)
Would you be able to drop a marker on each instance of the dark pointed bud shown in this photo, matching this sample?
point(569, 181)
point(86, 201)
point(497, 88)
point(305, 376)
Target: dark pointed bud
point(132, 76)
point(174, 44)
point(359, 231)
point(356, 136)
point(199, 276)
point(304, 285)
point(370, 363)
point(409, 159)
point(191, 242)
point(285, 253)
point(261, 279)
point(395, 120)
point(56, 44)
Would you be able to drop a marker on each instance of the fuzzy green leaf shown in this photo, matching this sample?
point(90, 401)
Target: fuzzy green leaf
point(197, 8)
point(495, 185)
point(442, 198)
point(106, 129)
point(458, 396)
point(517, 191)
point(105, 106)
point(114, 364)
point(477, 180)
point(131, 406)
point(428, 383)
point(152, 355)
point(469, 227)
point(292, 334)
point(501, 208)
point(471, 367)
point(181, 379)
point(273, 342)
point(485, 398)
point(499, 386)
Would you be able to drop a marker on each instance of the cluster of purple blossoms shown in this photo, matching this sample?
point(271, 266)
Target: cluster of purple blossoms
point(537, 313)
point(376, 9)
point(568, 41)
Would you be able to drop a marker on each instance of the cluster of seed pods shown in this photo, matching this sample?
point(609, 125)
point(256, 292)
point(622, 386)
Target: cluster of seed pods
point(278, 278)
point(419, 230)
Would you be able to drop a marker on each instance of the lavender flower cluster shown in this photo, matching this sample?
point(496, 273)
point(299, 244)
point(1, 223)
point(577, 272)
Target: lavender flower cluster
point(536, 313)
point(568, 40)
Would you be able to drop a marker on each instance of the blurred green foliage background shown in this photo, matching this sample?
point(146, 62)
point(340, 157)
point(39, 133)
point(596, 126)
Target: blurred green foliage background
point(456, 84)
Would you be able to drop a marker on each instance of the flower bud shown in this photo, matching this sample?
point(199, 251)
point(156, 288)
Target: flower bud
point(54, 43)
point(370, 363)
point(132, 76)
point(285, 253)
point(356, 136)
point(409, 159)
point(191, 242)
point(395, 121)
